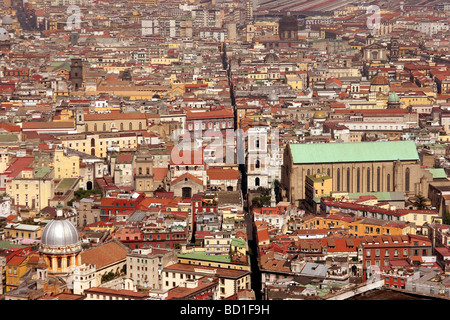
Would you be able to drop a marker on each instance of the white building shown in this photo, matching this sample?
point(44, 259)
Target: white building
point(84, 278)
point(263, 158)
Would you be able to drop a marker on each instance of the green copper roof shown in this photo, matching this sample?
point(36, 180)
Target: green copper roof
point(353, 152)
point(239, 242)
point(316, 178)
point(225, 258)
point(438, 173)
point(41, 172)
point(393, 97)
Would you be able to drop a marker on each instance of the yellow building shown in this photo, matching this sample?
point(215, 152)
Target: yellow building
point(420, 217)
point(66, 166)
point(374, 227)
point(98, 144)
point(409, 99)
point(359, 227)
point(25, 231)
point(316, 185)
point(330, 222)
point(200, 258)
point(294, 81)
point(16, 267)
point(64, 116)
point(111, 122)
point(32, 187)
point(258, 76)
point(164, 61)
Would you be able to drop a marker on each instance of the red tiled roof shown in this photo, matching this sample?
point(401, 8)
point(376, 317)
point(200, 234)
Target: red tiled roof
point(115, 116)
point(187, 176)
point(225, 113)
point(222, 174)
point(48, 125)
point(18, 165)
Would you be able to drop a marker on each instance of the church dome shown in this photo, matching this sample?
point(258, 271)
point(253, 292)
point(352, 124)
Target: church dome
point(271, 57)
point(59, 233)
point(379, 80)
point(319, 115)
point(393, 98)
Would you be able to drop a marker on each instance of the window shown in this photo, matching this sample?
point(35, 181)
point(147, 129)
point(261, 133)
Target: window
point(358, 180)
point(368, 179)
point(348, 180)
point(407, 180)
point(338, 179)
point(378, 179)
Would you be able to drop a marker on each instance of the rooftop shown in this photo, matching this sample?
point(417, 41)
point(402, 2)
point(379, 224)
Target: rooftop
point(353, 152)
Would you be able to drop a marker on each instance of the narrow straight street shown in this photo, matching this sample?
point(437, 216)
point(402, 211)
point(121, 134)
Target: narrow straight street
point(253, 248)
point(251, 237)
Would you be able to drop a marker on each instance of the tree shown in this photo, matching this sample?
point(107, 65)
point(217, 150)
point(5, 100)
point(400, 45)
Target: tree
point(446, 217)
point(420, 202)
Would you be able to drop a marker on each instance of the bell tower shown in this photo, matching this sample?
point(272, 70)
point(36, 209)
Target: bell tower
point(394, 49)
point(76, 74)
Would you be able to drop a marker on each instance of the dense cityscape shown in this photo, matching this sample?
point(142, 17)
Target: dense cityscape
point(249, 150)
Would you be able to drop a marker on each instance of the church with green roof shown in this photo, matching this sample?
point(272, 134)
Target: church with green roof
point(382, 166)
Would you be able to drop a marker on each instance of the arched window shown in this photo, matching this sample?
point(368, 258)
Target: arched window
point(121, 126)
point(407, 180)
point(130, 126)
point(92, 142)
point(257, 182)
point(378, 179)
point(308, 172)
point(388, 183)
point(348, 180)
point(104, 126)
point(338, 180)
point(95, 127)
point(358, 180)
point(257, 164)
point(140, 125)
point(328, 172)
point(368, 180)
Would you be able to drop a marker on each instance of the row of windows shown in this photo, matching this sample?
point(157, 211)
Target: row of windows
point(386, 252)
point(121, 126)
point(368, 179)
point(211, 125)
